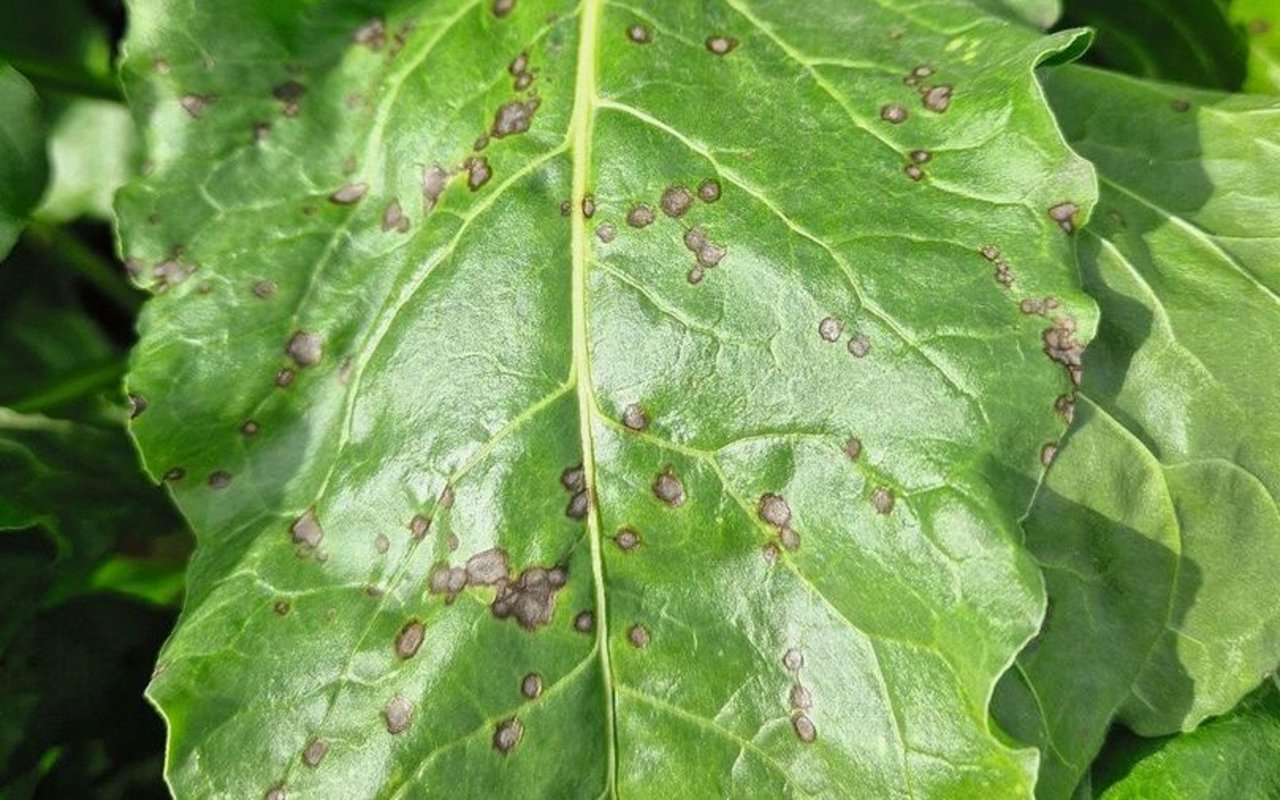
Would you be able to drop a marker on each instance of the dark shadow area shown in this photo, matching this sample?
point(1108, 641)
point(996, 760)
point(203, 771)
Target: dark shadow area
point(1187, 42)
point(73, 680)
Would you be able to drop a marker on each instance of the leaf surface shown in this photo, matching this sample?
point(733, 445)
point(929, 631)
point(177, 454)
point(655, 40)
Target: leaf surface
point(23, 165)
point(401, 391)
point(1261, 22)
point(1157, 527)
point(1227, 758)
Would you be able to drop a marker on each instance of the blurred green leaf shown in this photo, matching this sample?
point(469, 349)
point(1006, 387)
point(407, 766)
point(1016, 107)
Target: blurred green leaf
point(61, 45)
point(23, 164)
point(94, 150)
point(1157, 526)
point(1260, 20)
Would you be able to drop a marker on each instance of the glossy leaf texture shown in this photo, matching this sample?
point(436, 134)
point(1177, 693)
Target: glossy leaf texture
point(1227, 758)
point(1157, 526)
point(599, 399)
point(23, 165)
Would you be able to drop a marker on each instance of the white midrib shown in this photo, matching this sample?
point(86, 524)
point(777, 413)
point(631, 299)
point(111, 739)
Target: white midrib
point(584, 108)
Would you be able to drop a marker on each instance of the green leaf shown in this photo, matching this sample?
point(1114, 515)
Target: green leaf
point(352, 387)
point(1261, 22)
point(1189, 41)
point(94, 150)
point(1040, 14)
point(1157, 527)
point(23, 166)
point(76, 485)
point(61, 45)
point(1228, 758)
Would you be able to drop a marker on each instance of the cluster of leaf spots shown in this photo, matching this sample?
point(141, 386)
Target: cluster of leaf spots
point(529, 596)
point(800, 698)
point(675, 202)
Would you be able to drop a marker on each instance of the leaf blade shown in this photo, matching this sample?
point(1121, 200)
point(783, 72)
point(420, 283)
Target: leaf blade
point(461, 404)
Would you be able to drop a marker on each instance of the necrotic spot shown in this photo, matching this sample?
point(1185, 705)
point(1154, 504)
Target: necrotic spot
point(137, 404)
point(860, 345)
point(1064, 214)
point(789, 538)
point(264, 290)
point(695, 238)
point(249, 428)
point(804, 728)
point(720, 45)
point(893, 113)
point(793, 659)
point(397, 713)
point(419, 525)
point(584, 622)
point(801, 700)
point(606, 233)
point(709, 190)
point(434, 180)
point(588, 207)
point(314, 752)
point(219, 480)
point(830, 329)
point(578, 505)
point(351, 193)
point(634, 417)
point(668, 488)
point(507, 735)
point(175, 474)
point(573, 479)
point(513, 117)
point(281, 607)
point(639, 34)
point(501, 8)
point(393, 219)
point(676, 200)
point(774, 510)
point(409, 639)
point(937, 98)
point(487, 568)
point(531, 599)
point(304, 348)
point(1048, 453)
point(640, 217)
point(306, 529)
point(276, 793)
point(381, 543)
point(627, 540)
point(882, 500)
point(913, 172)
point(478, 172)
point(921, 156)
point(531, 685)
point(638, 635)
point(711, 254)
